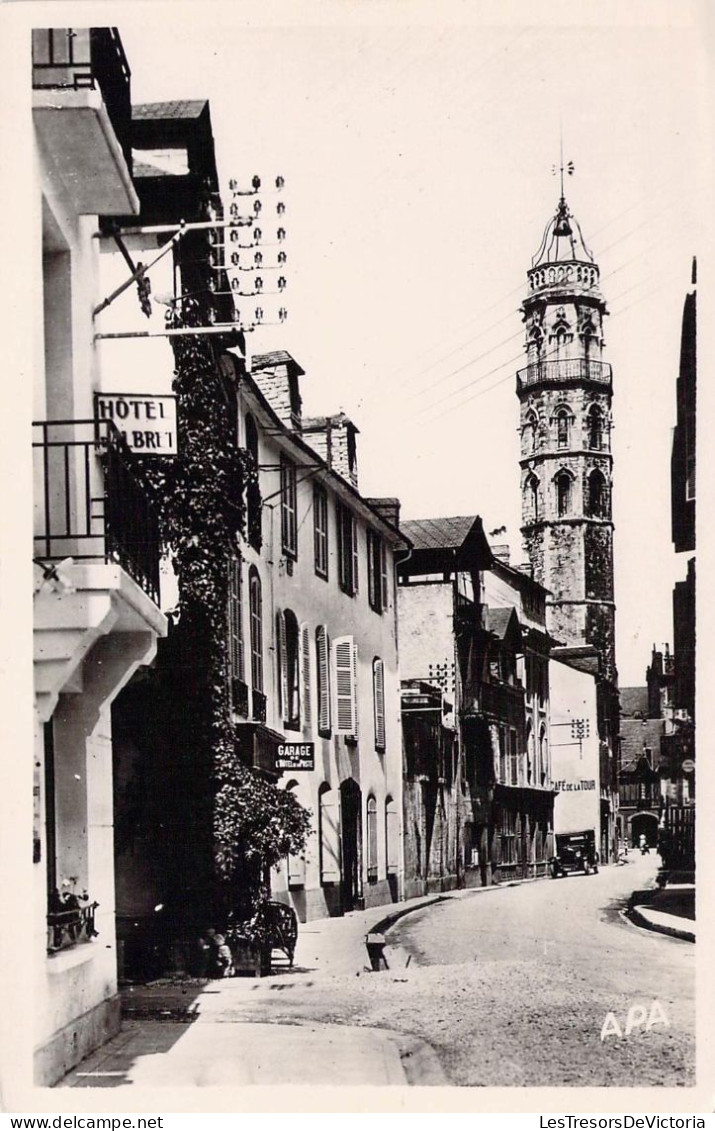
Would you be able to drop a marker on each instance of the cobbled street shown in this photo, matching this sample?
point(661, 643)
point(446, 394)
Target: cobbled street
point(511, 987)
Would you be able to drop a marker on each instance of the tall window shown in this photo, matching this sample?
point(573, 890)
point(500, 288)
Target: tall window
point(502, 756)
point(378, 697)
point(322, 652)
point(320, 529)
point(376, 572)
point(289, 668)
point(289, 508)
point(253, 493)
point(531, 428)
point(235, 638)
point(563, 493)
point(256, 627)
point(594, 424)
point(597, 495)
point(532, 487)
point(562, 428)
point(347, 550)
point(514, 756)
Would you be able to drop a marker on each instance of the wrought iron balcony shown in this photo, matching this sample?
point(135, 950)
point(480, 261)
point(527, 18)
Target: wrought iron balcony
point(90, 504)
point(71, 926)
point(239, 697)
point(259, 706)
point(564, 372)
point(67, 58)
point(499, 702)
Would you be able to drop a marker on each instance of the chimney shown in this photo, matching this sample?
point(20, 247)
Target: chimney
point(501, 552)
point(276, 375)
point(333, 438)
point(389, 509)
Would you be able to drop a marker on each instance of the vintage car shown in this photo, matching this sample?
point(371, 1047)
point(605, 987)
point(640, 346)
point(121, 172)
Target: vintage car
point(575, 852)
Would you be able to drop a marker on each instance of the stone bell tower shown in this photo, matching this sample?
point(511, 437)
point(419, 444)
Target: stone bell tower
point(565, 392)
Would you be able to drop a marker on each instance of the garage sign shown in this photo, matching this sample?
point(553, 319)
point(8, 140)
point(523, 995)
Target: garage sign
point(295, 756)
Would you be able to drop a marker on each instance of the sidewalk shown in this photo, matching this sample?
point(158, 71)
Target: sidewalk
point(669, 910)
point(176, 1032)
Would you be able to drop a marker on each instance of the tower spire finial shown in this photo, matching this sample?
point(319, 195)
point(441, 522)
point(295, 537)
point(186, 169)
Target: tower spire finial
point(561, 168)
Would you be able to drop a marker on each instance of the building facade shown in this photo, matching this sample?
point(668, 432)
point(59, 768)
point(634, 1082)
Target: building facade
point(316, 660)
point(96, 547)
point(565, 393)
point(474, 663)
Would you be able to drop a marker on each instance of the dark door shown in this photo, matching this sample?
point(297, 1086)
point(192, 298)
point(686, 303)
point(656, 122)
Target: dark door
point(351, 835)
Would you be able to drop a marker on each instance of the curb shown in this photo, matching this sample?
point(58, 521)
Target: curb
point(637, 915)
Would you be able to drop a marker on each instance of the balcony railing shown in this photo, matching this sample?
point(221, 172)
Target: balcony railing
point(67, 58)
point(67, 928)
point(499, 702)
point(563, 372)
point(89, 503)
point(259, 706)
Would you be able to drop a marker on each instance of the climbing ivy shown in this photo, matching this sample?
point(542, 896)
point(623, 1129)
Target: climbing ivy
point(199, 499)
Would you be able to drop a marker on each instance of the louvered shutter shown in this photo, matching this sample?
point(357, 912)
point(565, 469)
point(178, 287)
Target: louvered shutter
point(307, 706)
point(282, 665)
point(383, 574)
point(235, 624)
point(323, 658)
point(354, 531)
point(344, 662)
point(378, 694)
point(371, 571)
point(329, 837)
point(392, 837)
point(296, 872)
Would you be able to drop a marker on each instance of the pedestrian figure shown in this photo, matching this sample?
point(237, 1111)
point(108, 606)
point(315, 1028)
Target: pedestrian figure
point(643, 845)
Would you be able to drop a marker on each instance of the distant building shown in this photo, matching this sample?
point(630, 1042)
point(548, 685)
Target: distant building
point(565, 395)
point(575, 758)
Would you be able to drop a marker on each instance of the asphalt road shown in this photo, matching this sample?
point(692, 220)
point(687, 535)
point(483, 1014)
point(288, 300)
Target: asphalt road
point(544, 966)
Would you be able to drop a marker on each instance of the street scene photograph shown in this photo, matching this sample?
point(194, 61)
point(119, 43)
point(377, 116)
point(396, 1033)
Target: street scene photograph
point(362, 471)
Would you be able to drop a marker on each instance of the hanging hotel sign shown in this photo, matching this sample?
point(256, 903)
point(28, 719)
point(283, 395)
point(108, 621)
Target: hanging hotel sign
point(147, 421)
point(295, 756)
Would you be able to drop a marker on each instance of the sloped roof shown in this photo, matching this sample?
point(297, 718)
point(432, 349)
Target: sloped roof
point(634, 699)
point(503, 623)
point(188, 109)
point(276, 357)
point(637, 733)
point(439, 533)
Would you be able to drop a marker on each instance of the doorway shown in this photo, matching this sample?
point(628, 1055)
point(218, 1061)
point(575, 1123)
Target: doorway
point(351, 837)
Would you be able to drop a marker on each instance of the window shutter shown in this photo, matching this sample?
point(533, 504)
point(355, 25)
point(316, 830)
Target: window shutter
point(296, 872)
point(354, 532)
point(344, 654)
point(235, 627)
point(371, 576)
point(323, 657)
point(371, 838)
point(392, 836)
point(329, 837)
point(283, 665)
point(307, 707)
point(378, 694)
point(383, 574)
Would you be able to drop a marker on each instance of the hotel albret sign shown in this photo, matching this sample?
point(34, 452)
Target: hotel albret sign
point(147, 421)
point(295, 756)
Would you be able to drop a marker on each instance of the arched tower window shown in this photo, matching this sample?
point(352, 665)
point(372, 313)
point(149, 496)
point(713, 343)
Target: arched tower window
point(532, 495)
point(562, 427)
point(563, 493)
point(531, 431)
point(597, 495)
point(594, 426)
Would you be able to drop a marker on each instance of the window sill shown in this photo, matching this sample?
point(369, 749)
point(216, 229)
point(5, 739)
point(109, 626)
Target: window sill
point(63, 960)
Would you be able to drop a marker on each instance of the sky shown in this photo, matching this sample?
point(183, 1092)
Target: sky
point(417, 149)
